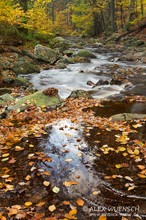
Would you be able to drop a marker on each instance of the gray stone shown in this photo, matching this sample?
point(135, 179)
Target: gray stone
point(79, 93)
point(46, 54)
point(25, 66)
point(85, 54)
point(127, 117)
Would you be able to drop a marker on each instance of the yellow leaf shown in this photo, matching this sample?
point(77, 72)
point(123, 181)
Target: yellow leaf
point(5, 155)
point(70, 183)
point(40, 204)
point(121, 149)
point(73, 212)
point(118, 166)
point(136, 152)
point(28, 203)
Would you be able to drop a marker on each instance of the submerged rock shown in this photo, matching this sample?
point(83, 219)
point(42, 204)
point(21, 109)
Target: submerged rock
point(48, 98)
point(46, 54)
point(127, 117)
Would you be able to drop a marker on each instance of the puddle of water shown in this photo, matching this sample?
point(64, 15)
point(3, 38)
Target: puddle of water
point(74, 157)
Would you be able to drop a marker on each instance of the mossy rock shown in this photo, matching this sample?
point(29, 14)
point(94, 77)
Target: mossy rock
point(79, 93)
point(6, 98)
point(127, 117)
point(85, 54)
point(39, 99)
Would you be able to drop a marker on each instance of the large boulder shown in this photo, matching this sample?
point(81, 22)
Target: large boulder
point(48, 98)
point(85, 54)
point(25, 66)
point(46, 54)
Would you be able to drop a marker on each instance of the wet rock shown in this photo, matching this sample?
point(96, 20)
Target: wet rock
point(79, 93)
point(60, 66)
point(40, 98)
point(61, 44)
point(102, 82)
point(20, 81)
point(68, 53)
point(117, 81)
point(25, 66)
point(90, 83)
point(85, 54)
point(46, 54)
point(127, 117)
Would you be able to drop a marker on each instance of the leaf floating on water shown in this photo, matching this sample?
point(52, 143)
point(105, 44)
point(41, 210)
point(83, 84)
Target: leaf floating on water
point(46, 183)
point(18, 148)
point(96, 192)
point(28, 203)
point(129, 178)
point(56, 189)
point(40, 204)
point(68, 160)
point(118, 166)
point(131, 188)
point(70, 183)
point(12, 161)
point(73, 212)
point(141, 175)
point(5, 159)
point(80, 202)
point(102, 217)
point(52, 208)
point(5, 155)
point(141, 167)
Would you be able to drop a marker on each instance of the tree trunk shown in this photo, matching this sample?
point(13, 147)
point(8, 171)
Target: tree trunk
point(24, 4)
point(112, 9)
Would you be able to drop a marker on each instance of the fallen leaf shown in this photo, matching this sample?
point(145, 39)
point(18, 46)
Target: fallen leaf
point(56, 189)
point(118, 166)
point(46, 183)
point(52, 208)
point(70, 183)
point(102, 217)
point(40, 204)
point(68, 160)
point(28, 203)
point(141, 175)
point(80, 202)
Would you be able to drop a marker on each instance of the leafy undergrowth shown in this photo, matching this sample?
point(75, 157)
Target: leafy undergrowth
point(26, 191)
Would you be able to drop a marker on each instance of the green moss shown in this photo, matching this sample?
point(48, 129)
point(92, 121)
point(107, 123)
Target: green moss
point(37, 98)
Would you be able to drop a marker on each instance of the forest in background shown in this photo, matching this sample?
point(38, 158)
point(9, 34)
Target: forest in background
point(86, 18)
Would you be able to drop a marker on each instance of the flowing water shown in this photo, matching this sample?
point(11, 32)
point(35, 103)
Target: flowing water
point(76, 76)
